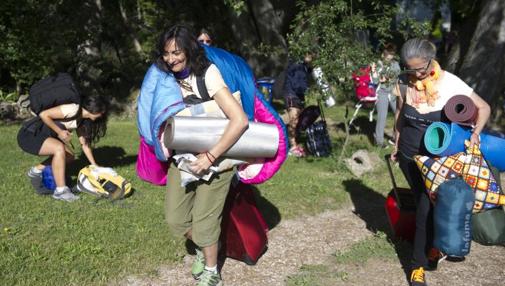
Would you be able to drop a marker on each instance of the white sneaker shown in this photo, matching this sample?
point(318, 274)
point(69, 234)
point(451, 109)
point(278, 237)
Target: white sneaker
point(36, 181)
point(65, 195)
point(330, 101)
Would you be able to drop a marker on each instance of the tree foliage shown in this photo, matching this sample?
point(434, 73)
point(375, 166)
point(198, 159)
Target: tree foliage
point(106, 45)
point(339, 33)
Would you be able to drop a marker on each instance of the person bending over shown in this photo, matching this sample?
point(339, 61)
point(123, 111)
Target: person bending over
point(50, 134)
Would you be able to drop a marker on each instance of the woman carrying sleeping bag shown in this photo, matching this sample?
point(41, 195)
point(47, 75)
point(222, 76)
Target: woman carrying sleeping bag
point(427, 90)
point(50, 133)
point(194, 211)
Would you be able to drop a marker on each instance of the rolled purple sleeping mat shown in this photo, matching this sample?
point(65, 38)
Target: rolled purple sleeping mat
point(199, 134)
point(461, 109)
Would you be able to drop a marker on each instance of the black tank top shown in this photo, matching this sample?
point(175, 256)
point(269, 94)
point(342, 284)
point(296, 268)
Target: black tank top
point(414, 125)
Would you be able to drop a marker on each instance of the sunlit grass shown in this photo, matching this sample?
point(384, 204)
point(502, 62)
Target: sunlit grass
point(94, 242)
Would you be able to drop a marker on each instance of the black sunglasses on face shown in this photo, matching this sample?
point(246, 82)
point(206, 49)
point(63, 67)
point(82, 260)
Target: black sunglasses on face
point(420, 70)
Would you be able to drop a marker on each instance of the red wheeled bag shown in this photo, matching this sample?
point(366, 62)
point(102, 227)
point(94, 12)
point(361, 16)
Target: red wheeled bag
point(244, 230)
point(400, 209)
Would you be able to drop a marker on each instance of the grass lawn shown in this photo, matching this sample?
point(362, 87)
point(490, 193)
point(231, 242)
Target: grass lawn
point(94, 242)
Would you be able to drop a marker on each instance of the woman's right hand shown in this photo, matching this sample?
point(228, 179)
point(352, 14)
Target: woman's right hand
point(394, 154)
point(65, 136)
point(202, 164)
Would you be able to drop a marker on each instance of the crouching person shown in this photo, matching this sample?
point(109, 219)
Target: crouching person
point(50, 134)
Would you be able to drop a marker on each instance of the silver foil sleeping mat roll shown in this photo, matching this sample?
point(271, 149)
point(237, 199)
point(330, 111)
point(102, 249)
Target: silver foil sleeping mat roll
point(199, 134)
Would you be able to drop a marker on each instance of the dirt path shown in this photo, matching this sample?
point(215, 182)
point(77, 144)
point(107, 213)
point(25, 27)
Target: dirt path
point(311, 240)
point(306, 240)
point(485, 266)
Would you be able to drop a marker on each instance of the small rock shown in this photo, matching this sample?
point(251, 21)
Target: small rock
point(8, 110)
point(362, 162)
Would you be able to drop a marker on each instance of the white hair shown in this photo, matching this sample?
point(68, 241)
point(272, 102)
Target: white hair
point(418, 48)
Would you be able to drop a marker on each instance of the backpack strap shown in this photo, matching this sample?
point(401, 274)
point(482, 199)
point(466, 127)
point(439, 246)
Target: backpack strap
point(202, 88)
point(320, 106)
point(403, 84)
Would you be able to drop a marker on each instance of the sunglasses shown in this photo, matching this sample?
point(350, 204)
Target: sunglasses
point(418, 70)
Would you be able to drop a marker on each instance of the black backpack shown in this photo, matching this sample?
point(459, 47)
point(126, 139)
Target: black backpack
point(307, 117)
point(53, 91)
point(318, 140)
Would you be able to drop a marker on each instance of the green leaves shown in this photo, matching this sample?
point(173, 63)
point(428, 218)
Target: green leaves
point(339, 33)
point(238, 6)
point(8, 96)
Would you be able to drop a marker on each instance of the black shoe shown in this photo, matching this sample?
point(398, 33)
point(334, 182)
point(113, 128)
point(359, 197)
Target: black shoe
point(435, 256)
point(455, 258)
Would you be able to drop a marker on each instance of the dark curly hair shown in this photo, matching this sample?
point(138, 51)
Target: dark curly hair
point(185, 40)
point(94, 130)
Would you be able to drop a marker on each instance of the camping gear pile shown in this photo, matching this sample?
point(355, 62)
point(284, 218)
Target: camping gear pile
point(460, 181)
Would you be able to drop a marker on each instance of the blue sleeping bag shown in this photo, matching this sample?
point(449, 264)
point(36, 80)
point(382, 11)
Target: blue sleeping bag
point(452, 216)
point(443, 139)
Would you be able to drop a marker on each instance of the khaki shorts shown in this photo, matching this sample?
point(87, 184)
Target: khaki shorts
point(197, 207)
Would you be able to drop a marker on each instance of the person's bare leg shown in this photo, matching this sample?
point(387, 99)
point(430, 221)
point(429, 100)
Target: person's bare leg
point(56, 149)
point(189, 235)
point(69, 158)
point(210, 253)
point(294, 114)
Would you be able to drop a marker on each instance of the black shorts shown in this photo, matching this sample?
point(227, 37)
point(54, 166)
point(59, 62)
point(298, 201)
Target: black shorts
point(296, 101)
point(32, 135)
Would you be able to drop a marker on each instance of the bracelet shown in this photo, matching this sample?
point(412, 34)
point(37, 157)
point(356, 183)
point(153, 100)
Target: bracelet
point(208, 158)
point(214, 157)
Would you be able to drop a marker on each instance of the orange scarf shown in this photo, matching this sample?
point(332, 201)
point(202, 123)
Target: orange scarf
point(425, 89)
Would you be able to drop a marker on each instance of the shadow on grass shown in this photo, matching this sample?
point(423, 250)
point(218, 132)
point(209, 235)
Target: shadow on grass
point(360, 125)
point(107, 156)
point(369, 206)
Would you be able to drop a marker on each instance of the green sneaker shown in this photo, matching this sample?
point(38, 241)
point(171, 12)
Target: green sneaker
point(198, 265)
point(209, 278)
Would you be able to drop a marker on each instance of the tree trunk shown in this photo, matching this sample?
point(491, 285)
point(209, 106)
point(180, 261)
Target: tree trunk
point(483, 65)
point(267, 22)
point(88, 46)
point(263, 24)
point(131, 32)
point(453, 58)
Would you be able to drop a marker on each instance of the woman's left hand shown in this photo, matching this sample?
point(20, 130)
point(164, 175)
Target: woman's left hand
point(201, 164)
point(474, 139)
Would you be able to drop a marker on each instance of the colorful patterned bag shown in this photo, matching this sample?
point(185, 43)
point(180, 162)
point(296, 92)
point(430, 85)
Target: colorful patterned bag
point(474, 169)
